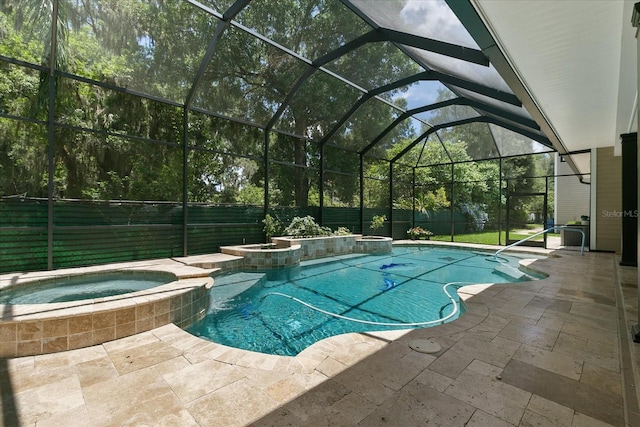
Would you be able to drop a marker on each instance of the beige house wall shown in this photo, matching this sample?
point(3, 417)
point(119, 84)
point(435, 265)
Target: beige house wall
point(572, 198)
point(608, 194)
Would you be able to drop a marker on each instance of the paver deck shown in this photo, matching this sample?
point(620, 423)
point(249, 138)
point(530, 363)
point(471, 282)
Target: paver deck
point(542, 353)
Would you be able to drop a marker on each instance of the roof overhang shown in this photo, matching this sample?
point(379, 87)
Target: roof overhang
point(572, 63)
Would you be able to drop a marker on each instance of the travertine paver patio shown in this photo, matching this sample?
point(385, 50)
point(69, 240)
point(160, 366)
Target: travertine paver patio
point(545, 353)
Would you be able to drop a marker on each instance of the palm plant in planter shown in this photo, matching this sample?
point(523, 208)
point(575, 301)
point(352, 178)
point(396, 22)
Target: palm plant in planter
point(419, 233)
point(272, 227)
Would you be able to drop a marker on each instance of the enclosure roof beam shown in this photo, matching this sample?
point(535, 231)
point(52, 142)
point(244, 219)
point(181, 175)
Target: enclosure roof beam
point(431, 75)
point(371, 36)
point(382, 34)
point(378, 35)
point(474, 104)
point(543, 140)
point(308, 72)
point(220, 29)
point(406, 114)
point(364, 98)
point(454, 51)
point(474, 87)
point(235, 9)
point(430, 131)
point(530, 124)
point(529, 133)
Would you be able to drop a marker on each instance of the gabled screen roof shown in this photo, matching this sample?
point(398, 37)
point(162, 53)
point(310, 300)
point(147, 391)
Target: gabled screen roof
point(378, 78)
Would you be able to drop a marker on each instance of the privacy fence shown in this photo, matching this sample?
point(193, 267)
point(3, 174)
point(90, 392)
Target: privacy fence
point(85, 232)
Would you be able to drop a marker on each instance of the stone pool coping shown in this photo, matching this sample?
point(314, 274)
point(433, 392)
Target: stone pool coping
point(31, 329)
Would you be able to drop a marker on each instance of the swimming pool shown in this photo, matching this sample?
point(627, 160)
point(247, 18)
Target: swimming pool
point(285, 311)
point(81, 287)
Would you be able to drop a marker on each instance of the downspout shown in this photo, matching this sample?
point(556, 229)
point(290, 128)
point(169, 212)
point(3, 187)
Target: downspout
point(635, 329)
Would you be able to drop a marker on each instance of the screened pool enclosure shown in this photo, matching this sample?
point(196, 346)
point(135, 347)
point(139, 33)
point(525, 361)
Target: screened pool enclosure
point(156, 128)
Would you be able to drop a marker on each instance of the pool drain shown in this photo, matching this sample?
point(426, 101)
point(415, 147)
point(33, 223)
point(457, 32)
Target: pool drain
point(425, 346)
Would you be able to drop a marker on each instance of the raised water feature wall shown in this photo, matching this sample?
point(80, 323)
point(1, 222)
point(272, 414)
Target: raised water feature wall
point(317, 247)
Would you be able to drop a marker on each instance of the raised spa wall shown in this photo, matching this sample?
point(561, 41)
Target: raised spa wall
point(33, 329)
point(289, 251)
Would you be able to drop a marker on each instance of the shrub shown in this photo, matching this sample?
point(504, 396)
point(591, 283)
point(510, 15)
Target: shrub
point(419, 233)
point(272, 227)
point(306, 227)
point(342, 231)
point(476, 215)
point(377, 222)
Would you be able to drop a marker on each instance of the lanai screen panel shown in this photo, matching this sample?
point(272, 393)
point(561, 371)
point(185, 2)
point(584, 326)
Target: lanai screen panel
point(225, 136)
point(293, 171)
point(404, 133)
point(224, 155)
point(376, 184)
point(22, 159)
point(367, 123)
point(213, 173)
point(90, 106)
point(317, 106)
point(511, 143)
point(22, 87)
point(341, 177)
point(108, 167)
point(423, 93)
point(448, 114)
point(30, 43)
point(402, 187)
point(311, 28)
point(151, 47)
point(471, 141)
point(247, 78)
point(374, 65)
point(430, 19)
point(429, 152)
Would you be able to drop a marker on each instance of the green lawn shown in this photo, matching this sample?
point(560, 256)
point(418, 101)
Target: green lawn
point(486, 238)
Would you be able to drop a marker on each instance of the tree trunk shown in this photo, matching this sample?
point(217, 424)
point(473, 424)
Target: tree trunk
point(300, 179)
point(300, 176)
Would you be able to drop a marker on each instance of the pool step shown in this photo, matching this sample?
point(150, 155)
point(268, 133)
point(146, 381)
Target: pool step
point(510, 272)
point(227, 287)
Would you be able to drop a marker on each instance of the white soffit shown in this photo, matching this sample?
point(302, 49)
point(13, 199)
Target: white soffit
point(568, 55)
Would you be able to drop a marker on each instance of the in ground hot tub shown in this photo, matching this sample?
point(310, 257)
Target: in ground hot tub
point(86, 286)
point(55, 311)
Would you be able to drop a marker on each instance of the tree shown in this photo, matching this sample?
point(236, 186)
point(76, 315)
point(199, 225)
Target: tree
point(256, 78)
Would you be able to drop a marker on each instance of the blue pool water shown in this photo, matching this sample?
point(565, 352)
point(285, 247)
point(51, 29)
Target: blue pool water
point(82, 287)
point(250, 310)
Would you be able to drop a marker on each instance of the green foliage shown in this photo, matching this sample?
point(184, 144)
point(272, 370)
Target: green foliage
point(426, 202)
point(306, 227)
point(342, 231)
point(419, 233)
point(272, 227)
point(112, 144)
point(377, 222)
